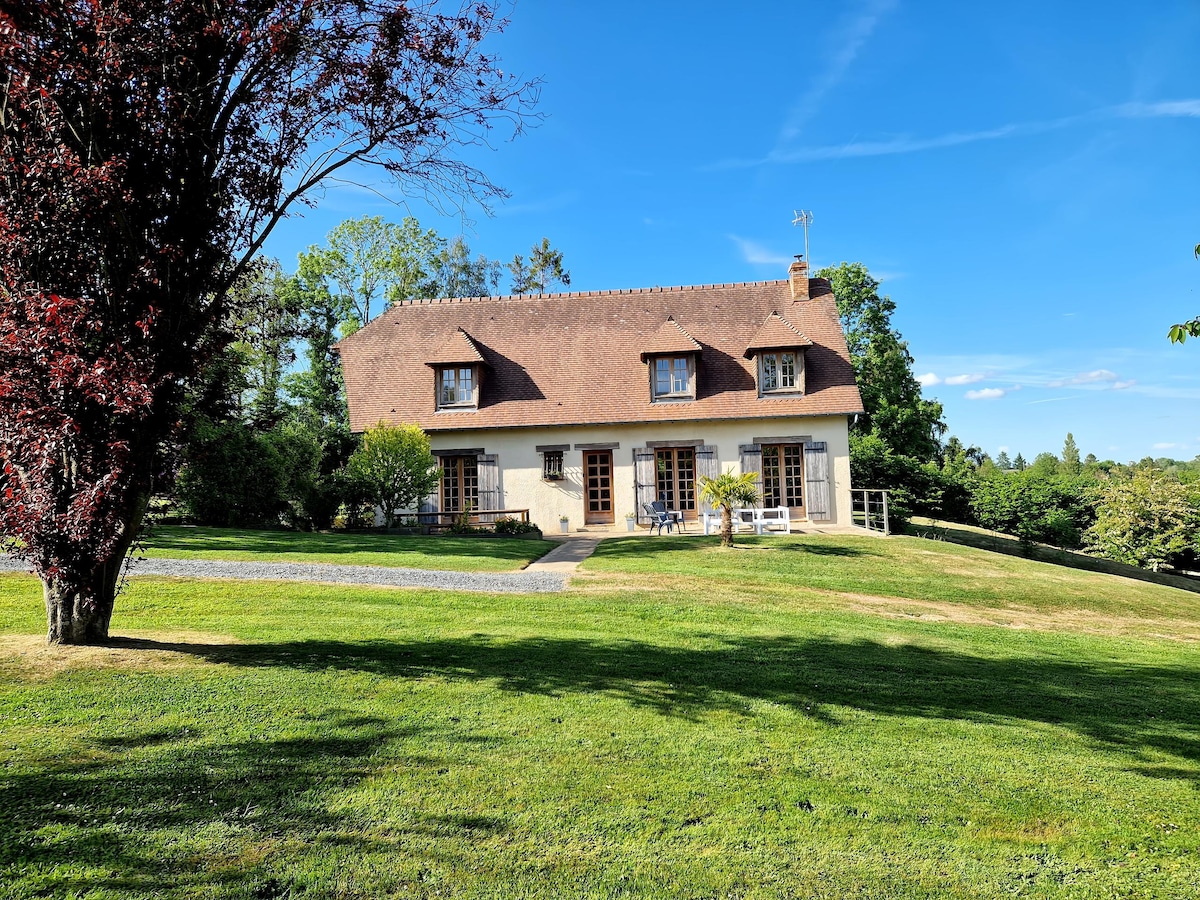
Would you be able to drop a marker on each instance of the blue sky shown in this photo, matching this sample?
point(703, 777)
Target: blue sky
point(1022, 177)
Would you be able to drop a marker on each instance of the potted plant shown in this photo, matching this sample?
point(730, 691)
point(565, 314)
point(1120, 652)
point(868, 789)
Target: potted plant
point(564, 524)
point(630, 521)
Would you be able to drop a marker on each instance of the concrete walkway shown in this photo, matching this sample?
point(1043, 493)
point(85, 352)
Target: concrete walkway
point(566, 557)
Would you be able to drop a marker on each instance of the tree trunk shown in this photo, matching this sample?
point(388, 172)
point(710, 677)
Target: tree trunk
point(726, 526)
point(79, 611)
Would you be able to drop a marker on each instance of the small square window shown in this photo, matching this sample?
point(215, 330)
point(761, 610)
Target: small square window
point(456, 387)
point(673, 377)
point(779, 372)
point(552, 465)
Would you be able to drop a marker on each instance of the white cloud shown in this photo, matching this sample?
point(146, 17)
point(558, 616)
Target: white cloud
point(1099, 376)
point(1166, 445)
point(965, 379)
point(986, 394)
point(1121, 385)
point(757, 254)
point(1052, 400)
point(929, 379)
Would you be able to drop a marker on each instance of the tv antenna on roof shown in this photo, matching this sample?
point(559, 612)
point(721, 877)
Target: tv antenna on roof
point(805, 218)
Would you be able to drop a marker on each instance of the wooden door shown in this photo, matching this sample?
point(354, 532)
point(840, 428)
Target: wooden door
point(783, 477)
point(597, 487)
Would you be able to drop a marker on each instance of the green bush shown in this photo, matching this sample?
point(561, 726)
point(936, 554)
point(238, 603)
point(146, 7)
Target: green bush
point(1037, 505)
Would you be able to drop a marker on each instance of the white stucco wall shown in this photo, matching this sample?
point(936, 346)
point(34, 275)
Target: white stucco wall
point(522, 486)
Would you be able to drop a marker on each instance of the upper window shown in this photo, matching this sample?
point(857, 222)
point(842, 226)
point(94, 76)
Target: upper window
point(778, 372)
point(674, 377)
point(457, 387)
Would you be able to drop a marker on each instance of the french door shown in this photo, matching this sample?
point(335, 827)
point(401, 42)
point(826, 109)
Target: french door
point(460, 483)
point(783, 477)
point(598, 492)
point(676, 479)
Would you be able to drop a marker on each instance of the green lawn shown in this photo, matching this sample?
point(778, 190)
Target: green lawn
point(457, 554)
point(804, 717)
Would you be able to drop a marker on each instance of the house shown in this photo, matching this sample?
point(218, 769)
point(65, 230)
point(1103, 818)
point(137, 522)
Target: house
point(590, 404)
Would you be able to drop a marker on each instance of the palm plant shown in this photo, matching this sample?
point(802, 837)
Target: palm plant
point(727, 491)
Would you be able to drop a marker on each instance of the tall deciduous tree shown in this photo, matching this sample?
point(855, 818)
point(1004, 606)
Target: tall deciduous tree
point(457, 274)
point(147, 149)
point(369, 263)
point(895, 409)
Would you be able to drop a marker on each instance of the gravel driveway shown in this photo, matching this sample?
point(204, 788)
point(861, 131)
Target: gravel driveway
point(489, 582)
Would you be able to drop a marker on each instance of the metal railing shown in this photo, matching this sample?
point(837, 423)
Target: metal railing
point(869, 509)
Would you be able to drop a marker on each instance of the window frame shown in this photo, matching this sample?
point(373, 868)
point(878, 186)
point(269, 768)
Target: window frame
point(777, 359)
point(672, 359)
point(457, 371)
point(553, 465)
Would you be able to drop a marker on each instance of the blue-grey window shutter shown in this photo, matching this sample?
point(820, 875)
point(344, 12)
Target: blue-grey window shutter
point(706, 467)
point(489, 481)
point(816, 479)
point(644, 475)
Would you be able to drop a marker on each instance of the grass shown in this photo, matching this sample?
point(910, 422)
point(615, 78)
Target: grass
point(813, 716)
point(457, 554)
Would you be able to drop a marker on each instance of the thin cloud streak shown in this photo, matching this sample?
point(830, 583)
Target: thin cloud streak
point(849, 42)
point(1189, 108)
point(756, 254)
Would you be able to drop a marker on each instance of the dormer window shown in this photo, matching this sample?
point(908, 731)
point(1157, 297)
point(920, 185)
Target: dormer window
point(457, 387)
point(671, 355)
point(674, 377)
point(779, 349)
point(779, 371)
point(458, 369)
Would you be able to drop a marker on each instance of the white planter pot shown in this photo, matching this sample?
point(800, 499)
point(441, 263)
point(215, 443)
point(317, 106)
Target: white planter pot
point(630, 524)
point(564, 526)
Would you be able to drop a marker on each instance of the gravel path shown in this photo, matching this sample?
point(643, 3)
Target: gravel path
point(490, 582)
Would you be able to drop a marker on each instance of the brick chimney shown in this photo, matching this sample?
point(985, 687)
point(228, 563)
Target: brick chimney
point(798, 279)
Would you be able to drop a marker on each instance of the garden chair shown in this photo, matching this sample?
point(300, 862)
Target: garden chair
point(660, 506)
point(659, 518)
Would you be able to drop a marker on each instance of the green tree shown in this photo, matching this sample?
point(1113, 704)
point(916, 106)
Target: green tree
point(456, 274)
point(1003, 462)
point(543, 271)
point(368, 263)
point(1070, 464)
point(1147, 519)
point(395, 468)
point(727, 491)
point(1019, 463)
point(894, 407)
point(267, 323)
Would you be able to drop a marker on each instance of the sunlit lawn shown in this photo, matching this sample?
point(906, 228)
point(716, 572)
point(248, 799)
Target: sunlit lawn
point(824, 717)
point(458, 554)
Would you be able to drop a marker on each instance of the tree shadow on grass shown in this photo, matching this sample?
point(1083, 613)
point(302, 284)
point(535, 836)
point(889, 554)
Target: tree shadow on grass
point(193, 816)
point(1132, 708)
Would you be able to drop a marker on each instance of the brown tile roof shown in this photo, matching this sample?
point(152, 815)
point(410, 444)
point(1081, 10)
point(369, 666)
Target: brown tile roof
point(670, 338)
point(575, 359)
point(776, 333)
point(458, 349)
